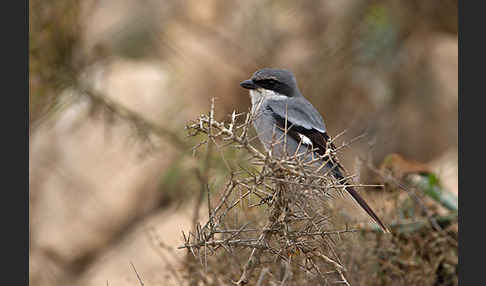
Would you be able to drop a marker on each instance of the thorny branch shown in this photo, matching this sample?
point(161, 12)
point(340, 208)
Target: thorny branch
point(284, 209)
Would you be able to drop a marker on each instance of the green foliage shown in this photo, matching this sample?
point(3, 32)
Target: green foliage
point(432, 188)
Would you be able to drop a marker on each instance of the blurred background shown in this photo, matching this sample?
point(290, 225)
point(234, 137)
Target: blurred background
point(114, 82)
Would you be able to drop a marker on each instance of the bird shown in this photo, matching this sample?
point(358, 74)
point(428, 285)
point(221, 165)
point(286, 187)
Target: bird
point(281, 111)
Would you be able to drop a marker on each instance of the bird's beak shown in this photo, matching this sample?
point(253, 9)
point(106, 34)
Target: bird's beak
point(248, 84)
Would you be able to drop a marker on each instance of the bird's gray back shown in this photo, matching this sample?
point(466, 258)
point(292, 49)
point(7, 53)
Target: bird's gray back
point(298, 111)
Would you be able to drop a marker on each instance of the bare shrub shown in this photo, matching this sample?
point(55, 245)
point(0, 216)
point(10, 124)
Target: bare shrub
point(272, 216)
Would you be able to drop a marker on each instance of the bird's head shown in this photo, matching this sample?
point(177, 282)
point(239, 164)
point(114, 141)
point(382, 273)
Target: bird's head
point(273, 82)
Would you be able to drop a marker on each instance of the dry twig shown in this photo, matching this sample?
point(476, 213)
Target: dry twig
point(284, 202)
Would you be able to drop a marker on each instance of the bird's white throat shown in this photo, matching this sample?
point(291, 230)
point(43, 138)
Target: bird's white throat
point(260, 94)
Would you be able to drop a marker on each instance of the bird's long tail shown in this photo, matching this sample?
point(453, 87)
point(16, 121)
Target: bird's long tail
point(362, 203)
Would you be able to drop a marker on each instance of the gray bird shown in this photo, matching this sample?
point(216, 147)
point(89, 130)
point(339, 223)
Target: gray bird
point(276, 104)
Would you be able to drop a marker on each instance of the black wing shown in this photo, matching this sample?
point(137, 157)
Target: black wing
point(303, 119)
point(311, 125)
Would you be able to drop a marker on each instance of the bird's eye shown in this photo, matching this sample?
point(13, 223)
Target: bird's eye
point(267, 83)
point(270, 82)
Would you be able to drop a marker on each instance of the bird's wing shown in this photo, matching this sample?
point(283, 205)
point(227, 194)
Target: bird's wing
point(303, 121)
point(299, 111)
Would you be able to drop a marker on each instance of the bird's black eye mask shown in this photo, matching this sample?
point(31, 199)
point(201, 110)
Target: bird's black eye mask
point(267, 83)
point(274, 85)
